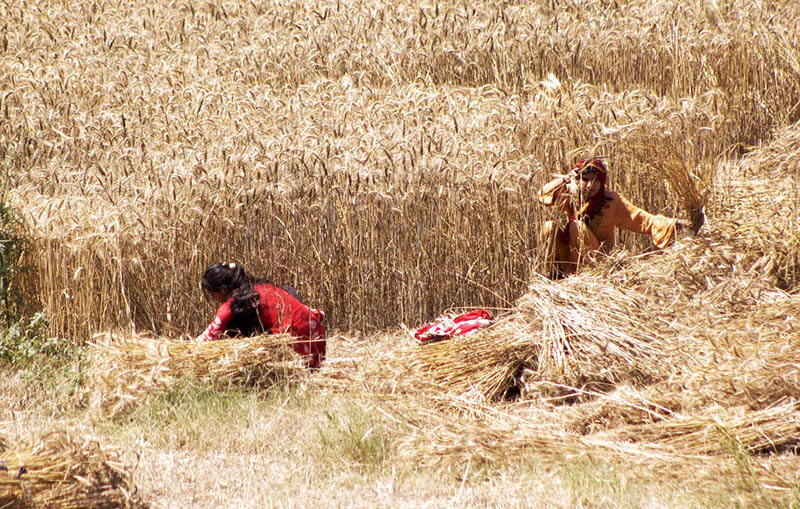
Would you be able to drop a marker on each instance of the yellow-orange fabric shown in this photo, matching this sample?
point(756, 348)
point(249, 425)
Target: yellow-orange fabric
point(598, 232)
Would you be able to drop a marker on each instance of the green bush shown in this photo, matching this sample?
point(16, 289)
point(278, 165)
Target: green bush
point(21, 338)
point(12, 245)
point(26, 339)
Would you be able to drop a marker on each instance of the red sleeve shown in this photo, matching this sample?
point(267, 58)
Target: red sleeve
point(218, 325)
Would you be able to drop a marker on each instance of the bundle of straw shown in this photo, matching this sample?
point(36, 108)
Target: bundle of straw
point(686, 166)
point(758, 375)
point(623, 406)
point(488, 434)
point(700, 449)
point(593, 334)
point(577, 331)
point(124, 368)
point(483, 363)
point(723, 430)
point(716, 271)
point(60, 472)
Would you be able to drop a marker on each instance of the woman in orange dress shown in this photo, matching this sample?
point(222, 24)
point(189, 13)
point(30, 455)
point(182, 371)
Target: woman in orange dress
point(594, 213)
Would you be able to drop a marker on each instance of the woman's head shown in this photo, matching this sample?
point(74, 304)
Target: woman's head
point(223, 279)
point(589, 177)
point(229, 281)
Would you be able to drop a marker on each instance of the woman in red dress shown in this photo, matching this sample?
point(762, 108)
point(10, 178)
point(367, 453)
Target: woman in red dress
point(250, 306)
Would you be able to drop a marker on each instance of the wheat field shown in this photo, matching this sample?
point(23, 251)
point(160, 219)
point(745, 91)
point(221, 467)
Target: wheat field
point(383, 158)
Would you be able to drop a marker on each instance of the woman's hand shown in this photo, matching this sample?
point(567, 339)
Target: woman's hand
point(571, 176)
point(572, 188)
point(693, 226)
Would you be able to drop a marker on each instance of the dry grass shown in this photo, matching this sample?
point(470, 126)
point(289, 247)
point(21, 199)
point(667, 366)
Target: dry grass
point(62, 472)
point(126, 369)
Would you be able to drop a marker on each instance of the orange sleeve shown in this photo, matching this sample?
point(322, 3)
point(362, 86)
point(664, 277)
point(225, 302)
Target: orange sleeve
point(630, 217)
point(550, 193)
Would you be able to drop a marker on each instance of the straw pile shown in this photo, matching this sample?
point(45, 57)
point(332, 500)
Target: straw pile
point(594, 334)
point(481, 364)
point(579, 332)
point(500, 434)
point(681, 362)
point(670, 362)
point(719, 429)
point(765, 208)
point(124, 369)
point(58, 471)
point(701, 448)
point(715, 273)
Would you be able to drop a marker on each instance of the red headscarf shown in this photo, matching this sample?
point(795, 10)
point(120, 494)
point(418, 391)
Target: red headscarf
point(595, 164)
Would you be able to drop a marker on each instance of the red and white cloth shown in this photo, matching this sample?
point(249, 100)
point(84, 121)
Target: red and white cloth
point(446, 327)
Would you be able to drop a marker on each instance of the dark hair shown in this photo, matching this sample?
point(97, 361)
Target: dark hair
point(241, 291)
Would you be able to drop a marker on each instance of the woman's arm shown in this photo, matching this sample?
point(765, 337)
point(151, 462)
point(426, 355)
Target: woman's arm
point(218, 325)
point(630, 217)
point(553, 190)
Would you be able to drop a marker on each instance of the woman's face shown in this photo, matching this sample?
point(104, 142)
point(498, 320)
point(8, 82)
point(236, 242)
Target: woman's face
point(220, 295)
point(586, 185)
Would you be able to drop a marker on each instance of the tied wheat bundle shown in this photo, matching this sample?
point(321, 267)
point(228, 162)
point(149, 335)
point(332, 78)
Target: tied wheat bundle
point(592, 334)
point(577, 331)
point(124, 368)
point(720, 430)
point(60, 472)
point(686, 167)
point(481, 364)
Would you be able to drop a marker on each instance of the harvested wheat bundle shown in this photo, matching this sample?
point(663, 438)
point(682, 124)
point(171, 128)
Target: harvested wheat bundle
point(579, 331)
point(600, 411)
point(60, 472)
point(753, 361)
point(595, 335)
point(480, 364)
point(717, 272)
point(125, 368)
point(488, 434)
point(719, 430)
point(686, 167)
point(495, 437)
point(739, 332)
point(754, 375)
